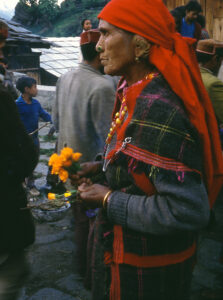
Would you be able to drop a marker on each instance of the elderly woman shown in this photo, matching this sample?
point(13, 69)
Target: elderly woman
point(162, 159)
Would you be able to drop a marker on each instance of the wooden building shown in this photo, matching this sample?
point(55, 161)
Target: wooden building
point(18, 50)
point(213, 11)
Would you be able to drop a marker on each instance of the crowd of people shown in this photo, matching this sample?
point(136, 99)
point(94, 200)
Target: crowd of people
point(151, 166)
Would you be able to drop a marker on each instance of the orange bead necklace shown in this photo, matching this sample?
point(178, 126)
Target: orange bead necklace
point(120, 115)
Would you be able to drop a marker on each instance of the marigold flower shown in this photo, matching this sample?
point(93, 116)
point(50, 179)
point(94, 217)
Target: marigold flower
point(53, 158)
point(67, 163)
point(51, 196)
point(66, 152)
point(63, 174)
point(76, 156)
point(67, 194)
point(57, 165)
point(64, 163)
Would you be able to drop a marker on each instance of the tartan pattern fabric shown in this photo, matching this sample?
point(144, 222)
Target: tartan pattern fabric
point(160, 283)
point(173, 137)
point(165, 283)
point(171, 144)
point(156, 160)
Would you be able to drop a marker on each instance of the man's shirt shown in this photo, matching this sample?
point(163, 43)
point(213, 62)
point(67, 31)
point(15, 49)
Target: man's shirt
point(187, 30)
point(30, 114)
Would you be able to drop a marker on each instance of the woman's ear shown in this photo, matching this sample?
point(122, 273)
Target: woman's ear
point(142, 47)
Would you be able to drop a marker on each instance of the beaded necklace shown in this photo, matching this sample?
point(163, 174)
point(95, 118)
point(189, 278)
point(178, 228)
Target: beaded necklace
point(120, 115)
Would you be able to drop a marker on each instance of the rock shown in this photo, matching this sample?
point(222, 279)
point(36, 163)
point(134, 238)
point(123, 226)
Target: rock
point(72, 285)
point(51, 294)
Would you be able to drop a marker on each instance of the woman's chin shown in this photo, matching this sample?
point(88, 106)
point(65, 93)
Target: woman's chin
point(110, 71)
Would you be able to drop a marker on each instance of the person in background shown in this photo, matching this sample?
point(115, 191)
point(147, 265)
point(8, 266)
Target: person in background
point(86, 25)
point(210, 55)
point(186, 19)
point(18, 157)
point(178, 13)
point(30, 111)
point(162, 162)
point(202, 21)
point(81, 114)
point(8, 78)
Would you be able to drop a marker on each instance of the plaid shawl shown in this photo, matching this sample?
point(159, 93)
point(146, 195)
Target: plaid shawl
point(161, 137)
point(160, 131)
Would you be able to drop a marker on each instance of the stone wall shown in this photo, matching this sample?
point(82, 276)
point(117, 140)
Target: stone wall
point(46, 96)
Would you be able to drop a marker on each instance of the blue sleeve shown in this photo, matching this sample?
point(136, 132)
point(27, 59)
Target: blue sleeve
point(44, 115)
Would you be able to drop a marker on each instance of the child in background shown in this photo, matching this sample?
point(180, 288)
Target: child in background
point(30, 111)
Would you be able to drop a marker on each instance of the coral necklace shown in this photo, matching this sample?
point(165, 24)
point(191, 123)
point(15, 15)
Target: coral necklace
point(120, 115)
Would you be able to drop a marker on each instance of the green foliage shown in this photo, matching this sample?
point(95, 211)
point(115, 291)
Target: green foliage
point(31, 7)
point(41, 9)
point(48, 9)
point(47, 152)
point(48, 19)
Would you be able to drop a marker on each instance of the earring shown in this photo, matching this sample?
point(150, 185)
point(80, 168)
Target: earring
point(137, 59)
point(99, 49)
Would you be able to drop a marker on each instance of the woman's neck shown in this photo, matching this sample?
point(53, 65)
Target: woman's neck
point(137, 72)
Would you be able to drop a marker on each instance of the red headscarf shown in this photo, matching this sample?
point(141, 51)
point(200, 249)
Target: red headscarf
point(174, 58)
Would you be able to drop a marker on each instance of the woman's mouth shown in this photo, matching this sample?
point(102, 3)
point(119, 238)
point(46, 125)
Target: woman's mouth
point(103, 60)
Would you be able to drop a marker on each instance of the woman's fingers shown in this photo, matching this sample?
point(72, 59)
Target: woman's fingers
point(85, 180)
point(83, 187)
point(92, 195)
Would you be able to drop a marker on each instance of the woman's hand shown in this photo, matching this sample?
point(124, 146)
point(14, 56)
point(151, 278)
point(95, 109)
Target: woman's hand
point(92, 195)
point(87, 169)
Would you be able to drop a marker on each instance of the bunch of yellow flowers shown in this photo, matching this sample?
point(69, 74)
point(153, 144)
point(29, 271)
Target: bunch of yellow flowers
point(64, 164)
point(52, 196)
point(62, 197)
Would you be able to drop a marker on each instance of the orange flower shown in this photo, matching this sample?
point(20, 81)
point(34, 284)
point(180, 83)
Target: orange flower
point(67, 163)
point(76, 156)
point(66, 156)
point(51, 196)
point(57, 165)
point(65, 160)
point(53, 158)
point(63, 174)
point(66, 153)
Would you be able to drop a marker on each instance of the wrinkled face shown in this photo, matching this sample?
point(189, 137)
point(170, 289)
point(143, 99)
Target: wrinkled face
point(31, 91)
point(87, 25)
point(191, 16)
point(117, 49)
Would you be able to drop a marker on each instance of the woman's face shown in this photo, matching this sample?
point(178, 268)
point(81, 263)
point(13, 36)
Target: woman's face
point(117, 49)
point(87, 25)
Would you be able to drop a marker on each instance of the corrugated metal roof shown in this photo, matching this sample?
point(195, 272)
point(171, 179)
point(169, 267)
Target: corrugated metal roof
point(62, 56)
